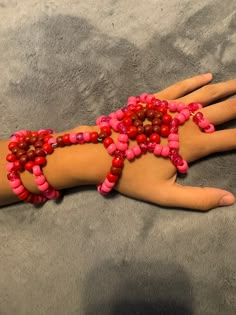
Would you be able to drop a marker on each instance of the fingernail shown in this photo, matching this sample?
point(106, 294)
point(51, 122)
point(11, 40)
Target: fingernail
point(208, 76)
point(227, 200)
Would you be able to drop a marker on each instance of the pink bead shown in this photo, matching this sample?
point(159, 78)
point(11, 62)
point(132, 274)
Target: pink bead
point(173, 137)
point(129, 154)
point(99, 188)
point(165, 151)
point(44, 186)
point(183, 168)
point(40, 180)
point(10, 166)
point(204, 123)
point(150, 99)
point(119, 114)
point(37, 170)
point(158, 149)
point(186, 113)
point(41, 131)
point(105, 188)
point(18, 190)
point(180, 106)
point(137, 150)
point(114, 123)
point(49, 195)
point(173, 144)
point(143, 97)
point(172, 106)
point(132, 100)
point(108, 183)
point(181, 118)
point(122, 146)
point(209, 129)
point(98, 121)
point(111, 149)
point(13, 139)
point(104, 124)
point(15, 183)
point(52, 140)
point(112, 115)
point(86, 136)
point(73, 138)
point(123, 138)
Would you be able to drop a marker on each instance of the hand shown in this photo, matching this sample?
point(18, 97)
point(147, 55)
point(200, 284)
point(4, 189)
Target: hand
point(153, 179)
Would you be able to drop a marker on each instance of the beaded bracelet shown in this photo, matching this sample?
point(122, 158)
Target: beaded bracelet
point(128, 122)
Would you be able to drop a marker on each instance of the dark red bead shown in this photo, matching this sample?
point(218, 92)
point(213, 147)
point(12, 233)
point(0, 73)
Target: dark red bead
point(140, 129)
point(112, 178)
point(12, 176)
point(20, 153)
point(166, 119)
point(115, 170)
point(117, 162)
point(38, 144)
point(30, 198)
point(23, 160)
point(137, 123)
point(60, 142)
point(134, 117)
point(165, 130)
point(66, 139)
point(159, 115)
point(31, 154)
point(14, 150)
point(156, 121)
point(40, 160)
point(33, 139)
point(107, 141)
point(141, 114)
point(150, 114)
point(156, 129)
point(154, 137)
point(141, 138)
point(131, 132)
point(23, 145)
point(94, 137)
point(29, 166)
point(41, 137)
point(11, 157)
point(28, 139)
point(40, 152)
point(102, 135)
point(148, 129)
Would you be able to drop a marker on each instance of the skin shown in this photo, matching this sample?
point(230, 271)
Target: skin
point(148, 178)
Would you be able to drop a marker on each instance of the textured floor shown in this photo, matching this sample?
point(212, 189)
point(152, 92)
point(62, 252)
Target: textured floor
point(63, 63)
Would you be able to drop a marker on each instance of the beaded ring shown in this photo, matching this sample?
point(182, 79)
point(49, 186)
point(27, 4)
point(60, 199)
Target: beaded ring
point(29, 149)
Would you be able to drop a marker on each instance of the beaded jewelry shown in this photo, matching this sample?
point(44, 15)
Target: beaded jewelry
point(29, 149)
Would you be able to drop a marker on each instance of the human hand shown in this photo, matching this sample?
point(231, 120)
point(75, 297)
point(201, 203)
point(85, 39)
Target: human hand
point(153, 179)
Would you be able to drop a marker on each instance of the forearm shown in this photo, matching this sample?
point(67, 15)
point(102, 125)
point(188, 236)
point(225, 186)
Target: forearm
point(66, 167)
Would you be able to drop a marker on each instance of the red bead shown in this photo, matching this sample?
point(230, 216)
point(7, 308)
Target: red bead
point(17, 165)
point(127, 121)
point(112, 178)
point(47, 148)
point(166, 119)
point(141, 138)
point(12, 145)
point(23, 195)
point(154, 137)
point(34, 134)
point(106, 129)
point(94, 137)
point(107, 141)
point(46, 138)
point(29, 166)
point(40, 160)
point(38, 144)
point(66, 139)
point(11, 157)
point(30, 198)
point(162, 109)
point(139, 107)
point(165, 130)
point(117, 162)
point(132, 132)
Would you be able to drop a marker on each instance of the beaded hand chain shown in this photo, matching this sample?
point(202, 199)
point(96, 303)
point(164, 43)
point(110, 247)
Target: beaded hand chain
point(29, 149)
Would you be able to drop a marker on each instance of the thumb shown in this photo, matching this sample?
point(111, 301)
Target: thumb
point(197, 198)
